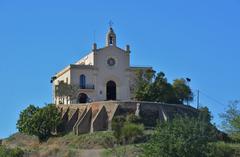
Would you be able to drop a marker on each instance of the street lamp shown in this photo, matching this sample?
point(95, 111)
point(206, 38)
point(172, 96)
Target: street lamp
point(188, 80)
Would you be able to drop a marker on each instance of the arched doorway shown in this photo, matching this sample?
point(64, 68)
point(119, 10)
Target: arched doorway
point(82, 98)
point(111, 90)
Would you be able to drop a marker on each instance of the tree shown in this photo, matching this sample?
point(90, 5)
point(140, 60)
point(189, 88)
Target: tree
point(231, 120)
point(40, 122)
point(161, 90)
point(150, 86)
point(142, 85)
point(182, 137)
point(66, 90)
point(25, 122)
point(182, 90)
point(204, 114)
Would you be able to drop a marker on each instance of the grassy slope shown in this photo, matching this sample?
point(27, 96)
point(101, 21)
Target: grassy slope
point(71, 145)
point(68, 145)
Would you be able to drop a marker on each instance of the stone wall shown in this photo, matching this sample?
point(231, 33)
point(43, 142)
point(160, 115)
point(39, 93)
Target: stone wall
point(97, 116)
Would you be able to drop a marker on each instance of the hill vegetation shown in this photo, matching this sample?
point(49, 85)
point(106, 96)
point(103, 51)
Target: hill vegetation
point(181, 137)
point(41, 122)
point(152, 86)
point(100, 143)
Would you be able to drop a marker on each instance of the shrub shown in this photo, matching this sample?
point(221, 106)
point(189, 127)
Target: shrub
point(41, 122)
point(183, 137)
point(125, 131)
point(132, 118)
point(117, 124)
point(131, 131)
point(6, 152)
point(220, 149)
point(231, 121)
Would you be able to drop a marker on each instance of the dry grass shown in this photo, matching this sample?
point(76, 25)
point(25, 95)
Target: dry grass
point(69, 145)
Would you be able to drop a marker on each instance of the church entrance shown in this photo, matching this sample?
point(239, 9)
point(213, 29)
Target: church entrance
point(82, 98)
point(111, 90)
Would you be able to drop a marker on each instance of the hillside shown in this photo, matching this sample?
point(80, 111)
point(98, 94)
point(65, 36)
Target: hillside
point(96, 144)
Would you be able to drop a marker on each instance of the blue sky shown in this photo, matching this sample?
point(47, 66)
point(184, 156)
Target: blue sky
point(195, 39)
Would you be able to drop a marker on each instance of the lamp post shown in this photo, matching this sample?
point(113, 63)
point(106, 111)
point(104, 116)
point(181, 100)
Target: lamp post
point(198, 98)
point(188, 80)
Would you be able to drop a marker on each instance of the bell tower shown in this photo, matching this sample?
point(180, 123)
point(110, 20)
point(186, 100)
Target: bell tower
point(110, 37)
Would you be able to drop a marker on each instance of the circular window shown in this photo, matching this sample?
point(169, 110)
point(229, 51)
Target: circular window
point(111, 62)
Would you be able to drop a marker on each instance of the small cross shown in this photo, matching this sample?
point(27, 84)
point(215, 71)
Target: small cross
point(110, 23)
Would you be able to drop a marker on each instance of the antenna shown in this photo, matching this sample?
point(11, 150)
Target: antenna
point(198, 100)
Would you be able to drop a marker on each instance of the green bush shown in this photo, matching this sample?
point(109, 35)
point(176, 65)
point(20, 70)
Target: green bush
point(117, 124)
point(182, 137)
point(220, 150)
point(231, 121)
point(132, 118)
point(126, 130)
point(131, 131)
point(39, 121)
point(6, 152)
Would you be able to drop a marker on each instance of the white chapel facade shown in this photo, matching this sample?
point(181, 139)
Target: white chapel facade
point(104, 74)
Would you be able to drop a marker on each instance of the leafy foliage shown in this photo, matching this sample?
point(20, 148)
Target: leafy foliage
point(6, 152)
point(205, 115)
point(231, 120)
point(143, 81)
point(221, 149)
point(131, 131)
point(155, 87)
point(126, 130)
point(25, 122)
point(182, 90)
point(161, 90)
point(182, 137)
point(40, 122)
point(132, 118)
point(66, 90)
point(117, 125)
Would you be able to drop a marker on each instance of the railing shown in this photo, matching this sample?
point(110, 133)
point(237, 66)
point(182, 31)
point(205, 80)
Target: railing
point(87, 86)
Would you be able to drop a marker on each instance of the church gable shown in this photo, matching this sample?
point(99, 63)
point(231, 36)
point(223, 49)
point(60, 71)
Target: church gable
point(104, 74)
point(111, 57)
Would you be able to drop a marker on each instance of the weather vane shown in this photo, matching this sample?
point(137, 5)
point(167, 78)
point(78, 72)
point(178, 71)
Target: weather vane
point(110, 23)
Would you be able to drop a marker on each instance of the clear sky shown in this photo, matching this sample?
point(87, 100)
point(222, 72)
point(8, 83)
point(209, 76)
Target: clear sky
point(195, 39)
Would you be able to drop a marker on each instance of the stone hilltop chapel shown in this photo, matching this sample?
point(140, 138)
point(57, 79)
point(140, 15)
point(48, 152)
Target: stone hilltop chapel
point(104, 74)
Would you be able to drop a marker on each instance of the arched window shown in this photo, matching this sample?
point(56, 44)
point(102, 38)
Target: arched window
point(82, 81)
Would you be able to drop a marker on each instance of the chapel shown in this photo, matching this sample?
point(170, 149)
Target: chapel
point(102, 75)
